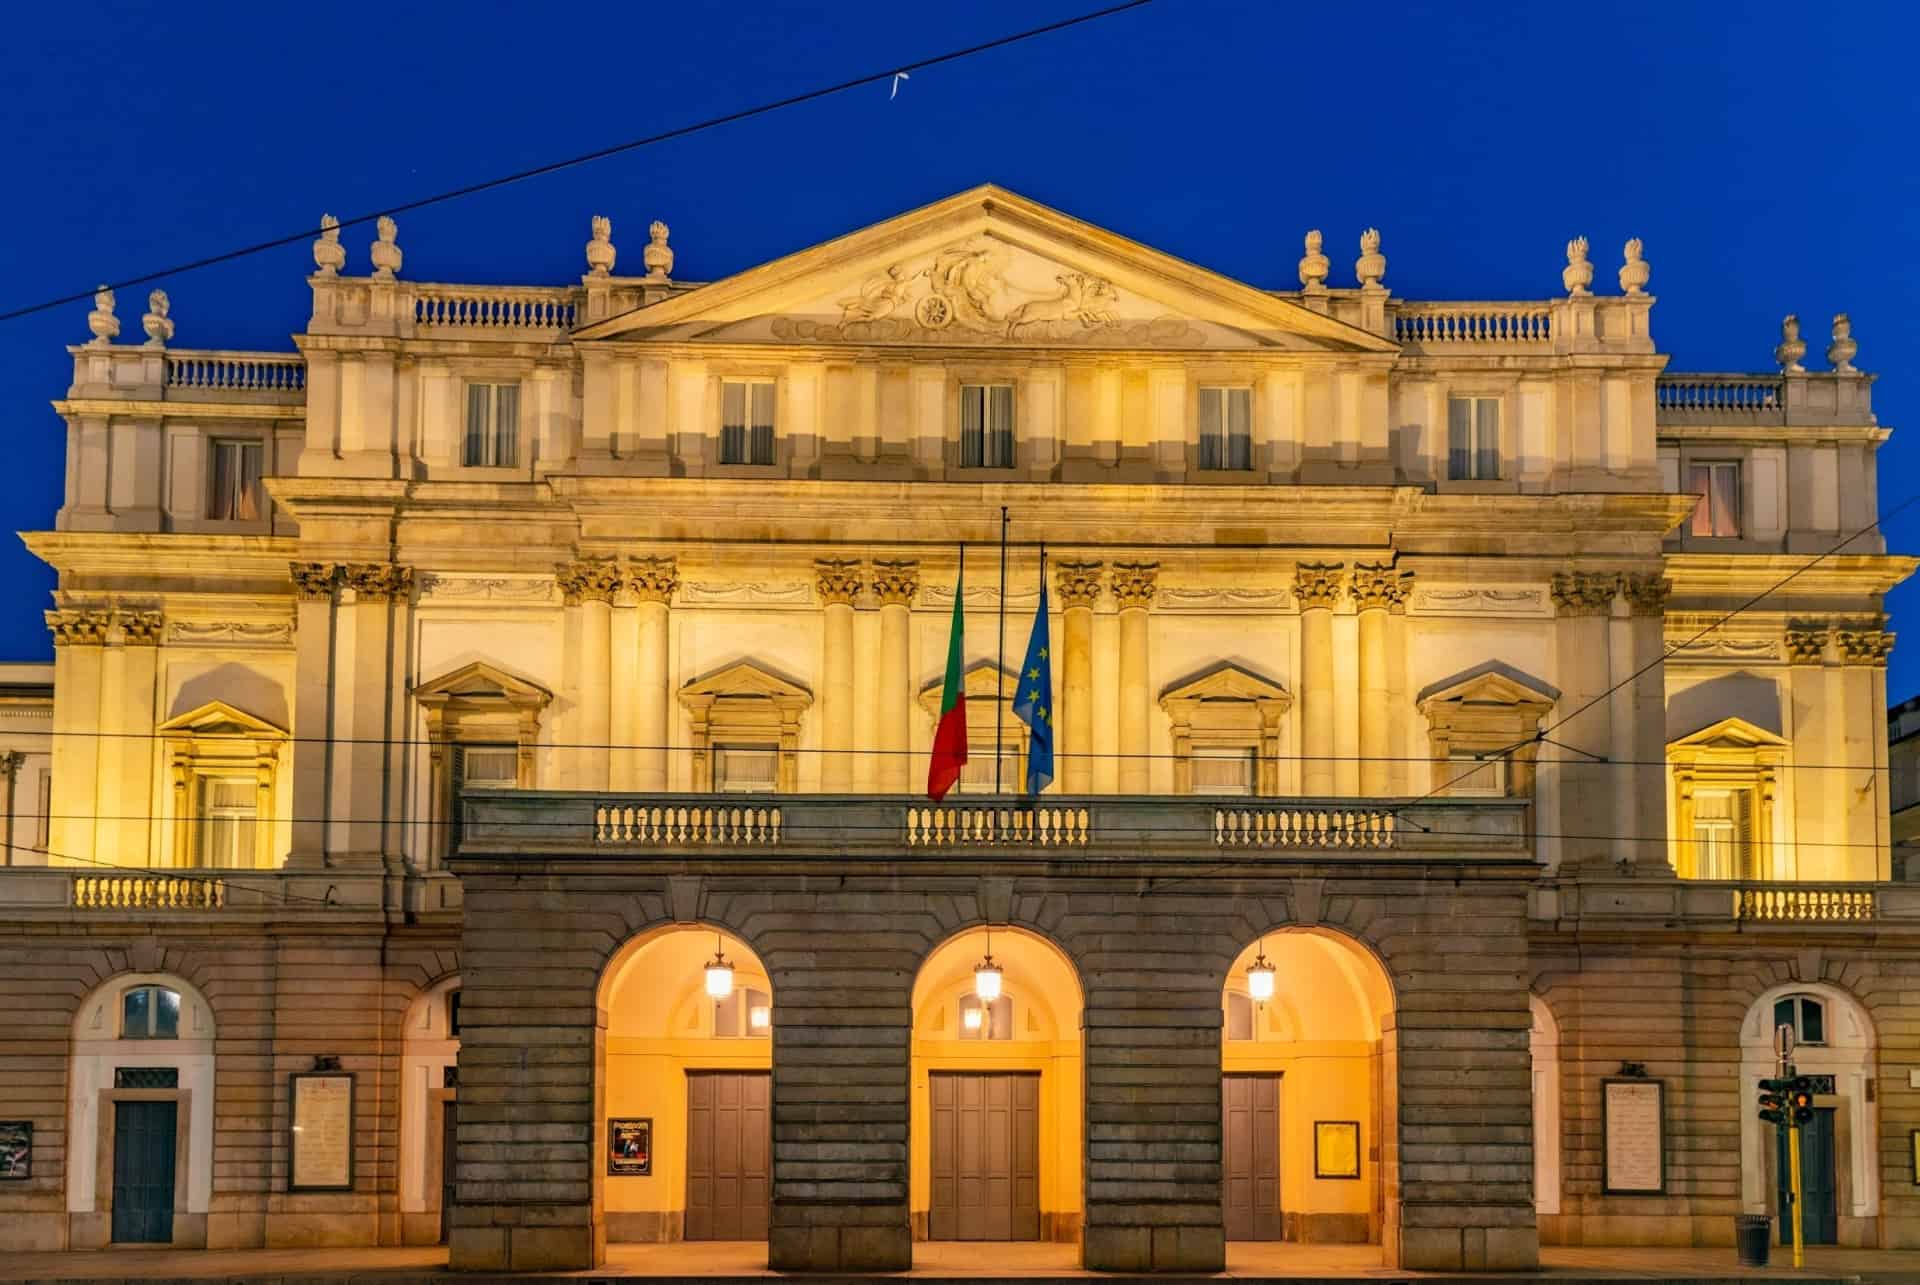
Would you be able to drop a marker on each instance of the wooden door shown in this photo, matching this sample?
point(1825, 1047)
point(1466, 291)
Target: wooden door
point(1819, 1182)
point(1250, 1156)
point(985, 1156)
point(729, 1141)
point(143, 1143)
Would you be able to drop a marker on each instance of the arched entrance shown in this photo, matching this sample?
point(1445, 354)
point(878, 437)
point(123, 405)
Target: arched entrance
point(995, 1113)
point(1834, 1041)
point(429, 1085)
point(1543, 1045)
point(1309, 1093)
point(684, 1141)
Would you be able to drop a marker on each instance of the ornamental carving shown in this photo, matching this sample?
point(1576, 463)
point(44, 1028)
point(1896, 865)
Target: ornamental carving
point(1646, 595)
point(235, 632)
point(755, 593)
point(1077, 583)
point(313, 581)
point(1225, 598)
point(1721, 647)
point(1455, 600)
point(587, 580)
point(1806, 644)
point(652, 579)
point(510, 588)
point(378, 581)
point(895, 583)
point(1134, 583)
point(78, 627)
point(1377, 586)
point(838, 580)
point(1319, 586)
point(139, 628)
point(1585, 593)
point(1864, 646)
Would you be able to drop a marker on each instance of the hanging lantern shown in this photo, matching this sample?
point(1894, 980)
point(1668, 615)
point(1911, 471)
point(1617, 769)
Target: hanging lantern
point(986, 975)
point(1260, 977)
point(719, 973)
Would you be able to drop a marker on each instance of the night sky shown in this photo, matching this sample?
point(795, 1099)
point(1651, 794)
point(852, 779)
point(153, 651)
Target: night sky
point(1764, 153)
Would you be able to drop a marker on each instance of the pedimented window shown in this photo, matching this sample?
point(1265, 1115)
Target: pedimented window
point(224, 765)
point(990, 691)
point(1227, 723)
point(483, 725)
point(743, 724)
point(1480, 730)
point(1725, 778)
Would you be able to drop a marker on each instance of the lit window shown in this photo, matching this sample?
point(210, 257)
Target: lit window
point(1717, 512)
point(986, 1022)
point(1805, 1014)
point(1473, 439)
point(150, 1013)
point(976, 774)
point(1223, 771)
point(1469, 776)
point(493, 426)
point(746, 769)
point(986, 426)
point(1226, 428)
point(1722, 834)
point(746, 423)
point(1239, 1016)
point(744, 1014)
point(486, 767)
point(233, 492)
point(229, 811)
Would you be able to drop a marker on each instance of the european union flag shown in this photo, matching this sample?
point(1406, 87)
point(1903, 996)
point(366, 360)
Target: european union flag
point(1033, 700)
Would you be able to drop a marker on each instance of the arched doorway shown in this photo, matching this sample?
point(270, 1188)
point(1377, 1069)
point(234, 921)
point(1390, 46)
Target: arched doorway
point(1839, 1148)
point(995, 1112)
point(1543, 1043)
point(1309, 1093)
point(429, 1085)
point(684, 1142)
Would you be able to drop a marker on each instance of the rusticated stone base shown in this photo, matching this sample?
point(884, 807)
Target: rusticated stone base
point(1469, 1249)
point(646, 1227)
point(1154, 1249)
point(1329, 1229)
point(841, 1249)
point(525, 1238)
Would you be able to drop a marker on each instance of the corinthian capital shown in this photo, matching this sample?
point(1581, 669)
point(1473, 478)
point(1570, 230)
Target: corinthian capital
point(139, 628)
point(81, 627)
point(1134, 584)
point(838, 580)
point(378, 581)
point(1077, 583)
point(1319, 585)
point(1646, 595)
point(896, 582)
point(1864, 646)
point(652, 579)
point(1378, 587)
point(313, 581)
point(1806, 642)
point(1584, 593)
point(587, 580)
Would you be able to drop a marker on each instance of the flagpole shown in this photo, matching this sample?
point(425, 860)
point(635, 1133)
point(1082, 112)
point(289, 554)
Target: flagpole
point(1000, 705)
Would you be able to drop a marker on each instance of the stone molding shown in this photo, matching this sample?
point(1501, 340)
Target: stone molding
point(652, 579)
point(1319, 586)
point(79, 626)
point(1585, 593)
point(1864, 642)
point(139, 628)
point(506, 588)
point(1134, 584)
point(228, 632)
point(378, 581)
point(1077, 583)
point(1646, 594)
point(839, 580)
point(587, 580)
point(1477, 600)
point(314, 581)
point(1806, 644)
point(895, 583)
point(1378, 587)
point(1864, 646)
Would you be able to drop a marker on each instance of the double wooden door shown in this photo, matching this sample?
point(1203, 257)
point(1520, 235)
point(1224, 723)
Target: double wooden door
point(985, 1156)
point(729, 1141)
point(143, 1150)
point(1250, 1160)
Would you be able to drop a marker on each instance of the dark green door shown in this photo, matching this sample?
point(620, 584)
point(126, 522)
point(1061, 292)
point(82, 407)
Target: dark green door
point(1820, 1187)
point(143, 1139)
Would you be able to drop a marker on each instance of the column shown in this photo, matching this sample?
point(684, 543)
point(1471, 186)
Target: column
point(1399, 707)
point(1077, 585)
point(135, 799)
point(1583, 600)
point(75, 754)
point(1133, 589)
point(1317, 588)
point(1805, 644)
point(1376, 588)
point(357, 789)
point(1646, 741)
point(895, 583)
point(651, 583)
point(1864, 647)
point(313, 586)
point(587, 586)
point(838, 581)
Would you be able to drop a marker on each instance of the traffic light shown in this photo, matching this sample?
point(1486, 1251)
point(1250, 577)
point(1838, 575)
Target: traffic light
point(1773, 1100)
point(1800, 1098)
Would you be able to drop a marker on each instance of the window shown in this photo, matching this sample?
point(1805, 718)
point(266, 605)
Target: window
point(229, 811)
point(976, 774)
point(233, 492)
point(146, 1077)
point(1468, 776)
point(1239, 1015)
point(986, 426)
point(1223, 771)
point(1805, 1014)
point(746, 769)
point(1722, 834)
point(745, 1014)
point(150, 1013)
point(493, 426)
point(453, 1013)
point(993, 1022)
point(746, 423)
point(1717, 513)
point(486, 767)
point(1226, 428)
point(1473, 439)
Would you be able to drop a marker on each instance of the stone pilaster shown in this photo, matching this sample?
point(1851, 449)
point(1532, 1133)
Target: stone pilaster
point(1583, 601)
point(313, 586)
point(1376, 589)
point(128, 705)
point(650, 583)
point(1644, 710)
point(360, 800)
point(78, 638)
point(1318, 588)
point(894, 584)
point(838, 581)
point(1077, 585)
point(1134, 584)
point(1399, 702)
point(587, 587)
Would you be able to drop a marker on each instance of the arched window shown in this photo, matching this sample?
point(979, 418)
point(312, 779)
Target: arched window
point(1240, 1016)
point(1805, 1014)
point(745, 1013)
point(990, 1022)
point(150, 1013)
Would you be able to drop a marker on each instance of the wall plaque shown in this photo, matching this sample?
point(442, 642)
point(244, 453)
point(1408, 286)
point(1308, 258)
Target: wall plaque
point(1633, 1122)
point(1336, 1149)
point(630, 1147)
point(16, 1150)
point(320, 1149)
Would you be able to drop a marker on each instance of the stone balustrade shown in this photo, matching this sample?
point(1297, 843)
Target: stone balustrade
point(36, 892)
point(441, 310)
point(1656, 899)
point(237, 372)
point(1763, 399)
point(1789, 903)
point(1443, 327)
point(149, 892)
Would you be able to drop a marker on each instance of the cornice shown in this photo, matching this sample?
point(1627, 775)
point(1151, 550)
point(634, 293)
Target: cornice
point(128, 408)
point(163, 557)
point(1744, 575)
point(1773, 435)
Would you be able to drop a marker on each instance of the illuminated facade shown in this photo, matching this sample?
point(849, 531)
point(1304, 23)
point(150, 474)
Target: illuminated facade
point(441, 698)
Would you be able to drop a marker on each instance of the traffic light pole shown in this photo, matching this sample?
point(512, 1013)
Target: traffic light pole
point(1799, 1238)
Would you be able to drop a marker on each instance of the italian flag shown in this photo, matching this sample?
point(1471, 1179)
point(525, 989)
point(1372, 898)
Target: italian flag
point(950, 737)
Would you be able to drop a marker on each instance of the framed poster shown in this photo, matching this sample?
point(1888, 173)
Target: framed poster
point(16, 1150)
point(630, 1147)
point(1633, 1123)
point(320, 1146)
point(1336, 1148)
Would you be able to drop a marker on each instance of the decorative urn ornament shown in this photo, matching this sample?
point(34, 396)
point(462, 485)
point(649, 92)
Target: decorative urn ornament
point(719, 973)
point(1577, 276)
point(1840, 352)
point(600, 252)
point(329, 256)
point(1635, 271)
point(386, 250)
point(1791, 347)
point(658, 256)
point(1371, 266)
point(101, 321)
point(1313, 265)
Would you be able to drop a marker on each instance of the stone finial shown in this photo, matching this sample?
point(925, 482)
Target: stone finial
point(386, 250)
point(1840, 352)
point(1313, 266)
point(1371, 266)
point(1635, 271)
point(159, 328)
point(1577, 276)
point(101, 321)
point(658, 256)
point(600, 252)
point(329, 256)
point(1791, 347)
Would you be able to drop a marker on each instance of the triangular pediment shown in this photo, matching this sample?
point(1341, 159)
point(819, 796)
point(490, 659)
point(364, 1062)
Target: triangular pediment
point(1491, 683)
point(744, 679)
point(1226, 682)
point(985, 268)
point(480, 681)
point(217, 718)
point(1731, 735)
point(981, 681)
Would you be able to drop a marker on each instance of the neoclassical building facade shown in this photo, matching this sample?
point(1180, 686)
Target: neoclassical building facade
point(488, 748)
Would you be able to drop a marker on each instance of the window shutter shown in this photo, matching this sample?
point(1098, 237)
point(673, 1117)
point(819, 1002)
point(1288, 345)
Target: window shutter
point(1486, 414)
point(1744, 865)
point(1222, 771)
point(479, 413)
point(1211, 454)
point(1459, 438)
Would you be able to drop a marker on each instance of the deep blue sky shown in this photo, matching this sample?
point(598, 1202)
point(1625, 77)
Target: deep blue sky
point(1764, 153)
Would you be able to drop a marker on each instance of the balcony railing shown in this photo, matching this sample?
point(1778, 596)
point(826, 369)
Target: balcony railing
point(63, 891)
point(545, 311)
point(1734, 905)
point(1447, 327)
point(238, 372)
point(1769, 399)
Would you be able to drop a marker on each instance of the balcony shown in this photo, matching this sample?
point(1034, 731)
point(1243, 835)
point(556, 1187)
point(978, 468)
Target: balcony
point(1811, 399)
point(1638, 904)
point(62, 893)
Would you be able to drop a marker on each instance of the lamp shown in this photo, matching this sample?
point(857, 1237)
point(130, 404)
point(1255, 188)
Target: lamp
point(970, 1018)
point(758, 1017)
point(1260, 976)
point(719, 973)
point(986, 975)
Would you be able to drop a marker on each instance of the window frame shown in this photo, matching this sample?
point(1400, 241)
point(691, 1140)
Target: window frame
point(1477, 447)
point(245, 843)
point(760, 785)
point(153, 990)
point(1224, 429)
point(491, 435)
point(748, 383)
point(985, 387)
point(242, 443)
point(991, 1030)
point(1800, 1001)
point(1705, 504)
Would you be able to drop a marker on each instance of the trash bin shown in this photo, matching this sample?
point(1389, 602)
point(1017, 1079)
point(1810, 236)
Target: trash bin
point(1752, 1234)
